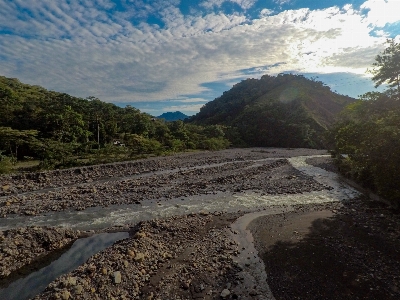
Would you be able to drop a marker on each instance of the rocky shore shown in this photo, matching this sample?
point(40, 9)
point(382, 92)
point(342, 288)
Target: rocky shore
point(186, 257)
point(23, 246)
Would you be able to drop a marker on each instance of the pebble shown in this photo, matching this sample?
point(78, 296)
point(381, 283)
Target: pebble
point(225, 293)
point(117, 277)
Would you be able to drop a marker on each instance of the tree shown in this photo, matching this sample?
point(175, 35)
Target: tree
point(13, 138)
point(387, 67)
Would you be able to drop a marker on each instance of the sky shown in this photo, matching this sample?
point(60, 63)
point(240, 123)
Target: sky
point(169, 55)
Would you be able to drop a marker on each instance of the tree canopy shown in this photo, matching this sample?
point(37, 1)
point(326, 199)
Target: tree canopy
point(368, 131)
point(59, 129)
point(386, 69)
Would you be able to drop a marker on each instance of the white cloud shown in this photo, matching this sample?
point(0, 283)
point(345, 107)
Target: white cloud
point(265, 12)
point(191, 100)
point(78, 47)
point(183, 108)
point(382, 12)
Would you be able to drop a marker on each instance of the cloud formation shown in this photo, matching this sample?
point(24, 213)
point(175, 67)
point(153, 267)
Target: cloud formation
point(112, 51)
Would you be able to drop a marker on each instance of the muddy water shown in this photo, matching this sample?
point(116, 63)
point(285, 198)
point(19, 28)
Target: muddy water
point(253, 273)
point(103, 217)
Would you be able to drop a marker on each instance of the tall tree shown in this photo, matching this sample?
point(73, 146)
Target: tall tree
point(387, 68)
point(13, 139)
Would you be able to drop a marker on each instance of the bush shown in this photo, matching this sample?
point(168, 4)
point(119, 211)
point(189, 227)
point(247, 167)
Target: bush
point(5, 165)
point(214, 144)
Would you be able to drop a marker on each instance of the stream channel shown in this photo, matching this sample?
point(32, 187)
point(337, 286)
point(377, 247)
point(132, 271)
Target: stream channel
point(98, 218)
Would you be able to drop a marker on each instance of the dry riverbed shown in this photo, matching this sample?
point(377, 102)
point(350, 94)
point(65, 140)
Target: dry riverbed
point(332, 250)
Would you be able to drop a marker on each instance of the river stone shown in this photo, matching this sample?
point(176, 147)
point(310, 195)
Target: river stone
point(78, 289)
point(131, 253)
point(225, 293)
point(117, 277)
point(70, 281)
point(139, 257)
point(140, 235)
point(65, 295)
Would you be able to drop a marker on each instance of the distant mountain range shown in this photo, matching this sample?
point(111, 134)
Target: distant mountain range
point(286, 110)
point(173, 116)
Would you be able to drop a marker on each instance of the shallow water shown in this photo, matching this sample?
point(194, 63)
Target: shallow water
point(80, 251)
point(253, 272)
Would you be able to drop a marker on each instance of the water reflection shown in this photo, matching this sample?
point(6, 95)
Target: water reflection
point(79, 252)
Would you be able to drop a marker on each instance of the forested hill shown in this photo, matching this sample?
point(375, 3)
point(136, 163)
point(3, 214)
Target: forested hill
point(63, 117)
point(173, 116)
point(286, 110)
point(61, 130)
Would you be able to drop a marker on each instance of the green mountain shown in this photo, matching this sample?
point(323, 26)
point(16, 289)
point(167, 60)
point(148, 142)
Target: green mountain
point(286, 111)
point(173, 116)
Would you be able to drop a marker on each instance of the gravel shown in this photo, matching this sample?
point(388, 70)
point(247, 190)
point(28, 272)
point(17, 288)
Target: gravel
point(166, 178)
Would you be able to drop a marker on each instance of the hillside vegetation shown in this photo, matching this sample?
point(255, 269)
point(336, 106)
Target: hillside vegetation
point(283, 111)
point(368, 131)
point(61, 130)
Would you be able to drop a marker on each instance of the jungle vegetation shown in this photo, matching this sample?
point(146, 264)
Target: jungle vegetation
point(62, 131)
point(368, 131)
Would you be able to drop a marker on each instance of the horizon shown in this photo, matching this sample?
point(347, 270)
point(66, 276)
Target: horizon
point(166, 56)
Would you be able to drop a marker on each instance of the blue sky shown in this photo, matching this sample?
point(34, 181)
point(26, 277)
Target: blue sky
point(168, 55)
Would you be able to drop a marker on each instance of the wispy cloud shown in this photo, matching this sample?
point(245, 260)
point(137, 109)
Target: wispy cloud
point(282, 2)
point(244, 4)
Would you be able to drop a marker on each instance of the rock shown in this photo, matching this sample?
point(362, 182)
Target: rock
point(70, 281)
point(139, 257)
point(185, 285)
point(130, 253)
point(117, 277)
point(140, 235)
point(78, 289)
point(225, 293)
point(65, 295)
point(253, 293)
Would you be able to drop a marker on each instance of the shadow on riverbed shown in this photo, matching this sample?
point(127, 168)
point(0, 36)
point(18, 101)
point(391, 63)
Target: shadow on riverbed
point(351, 255)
